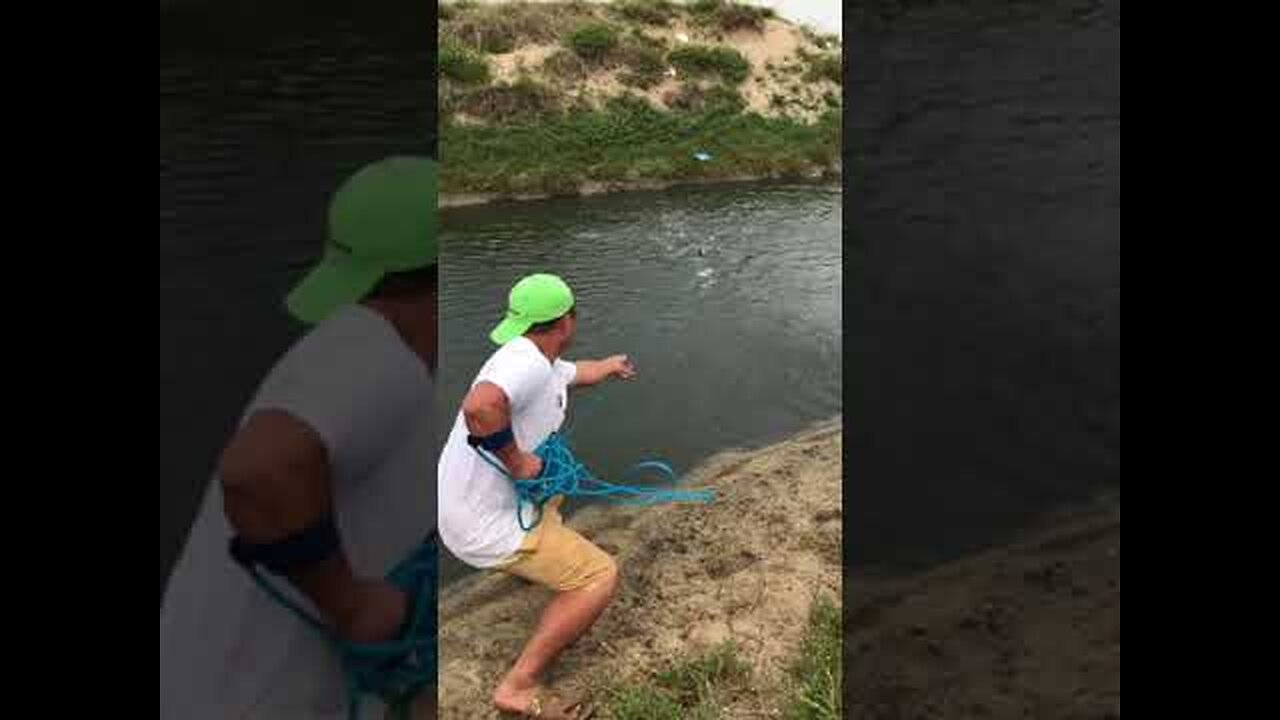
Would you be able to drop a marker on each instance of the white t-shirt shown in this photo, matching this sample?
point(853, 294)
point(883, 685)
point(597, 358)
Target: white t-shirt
point(228, 651)
point(477, 503)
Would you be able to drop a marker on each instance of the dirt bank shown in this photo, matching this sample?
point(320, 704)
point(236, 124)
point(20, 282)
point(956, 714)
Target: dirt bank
point(1027, 631)
point(591, 187)
point(745, 569)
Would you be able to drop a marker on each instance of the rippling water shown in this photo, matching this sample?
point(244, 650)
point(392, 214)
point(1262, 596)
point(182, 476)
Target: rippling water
point(726, 297)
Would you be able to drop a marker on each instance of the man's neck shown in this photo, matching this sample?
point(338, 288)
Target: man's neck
point(548, 344)
point(419, 333)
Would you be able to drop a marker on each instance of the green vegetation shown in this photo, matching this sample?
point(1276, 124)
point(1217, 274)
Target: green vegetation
point(705, 7)
point(730, 16)
point(650, 12)
point(821, 66)
point(823, 41)
point(816, 672)
point(692, 689)
point(593, 42)
point(700, 688)
point(702, 60)
point(544, 129)
point(629, 140)
point(504, 102)
point(696, 98)
point(502, 28)
point(461, 64)
point(644, 68)
point(565, 65)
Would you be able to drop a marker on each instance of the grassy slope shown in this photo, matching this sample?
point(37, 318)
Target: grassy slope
point(530, 136)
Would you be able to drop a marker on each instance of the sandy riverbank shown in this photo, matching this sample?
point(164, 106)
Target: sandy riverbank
point(1030, 630)
point(744, 569)
point(586, 189)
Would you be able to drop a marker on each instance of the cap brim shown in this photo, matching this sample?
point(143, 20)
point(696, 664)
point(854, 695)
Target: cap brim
point(329, 286)
point(509, 330)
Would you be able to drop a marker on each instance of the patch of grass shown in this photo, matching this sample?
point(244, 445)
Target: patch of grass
point(730, 16)
point(503, 28)
point(816, 673)
point(687, 690)
point(644, 69)
point(694, 681)
point(565, 65)
point(823, 41)
point(703, 60)
point(593, 42)
point(461, 64)
point(504, 102)
point(486, 30)
point(822, 66)
point(717, 99)
point(643, 59)
point(650, 12)
point(643, 702)
point(629, 139)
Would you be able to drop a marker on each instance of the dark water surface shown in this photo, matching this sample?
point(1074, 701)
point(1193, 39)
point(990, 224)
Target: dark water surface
point(726, 297)
point(264, 109)
point(983, 273)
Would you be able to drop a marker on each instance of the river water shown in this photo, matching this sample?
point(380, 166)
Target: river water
point(727, 298)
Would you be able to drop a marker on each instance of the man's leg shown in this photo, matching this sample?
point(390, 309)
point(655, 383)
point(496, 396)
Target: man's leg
point(585, 579)
point(566, 618)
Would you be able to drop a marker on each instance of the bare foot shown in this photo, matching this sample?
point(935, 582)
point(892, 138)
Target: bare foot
point(531, 700)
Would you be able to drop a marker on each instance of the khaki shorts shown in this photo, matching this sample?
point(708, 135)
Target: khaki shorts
point(557, 557)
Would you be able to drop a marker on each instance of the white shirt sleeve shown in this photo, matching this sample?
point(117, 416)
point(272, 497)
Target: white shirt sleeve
point(565, 371)
point(518, 376)
point(352, 394)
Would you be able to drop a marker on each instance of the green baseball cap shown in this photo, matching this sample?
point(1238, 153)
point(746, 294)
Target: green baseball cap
point(535, 299)
point(382, 220)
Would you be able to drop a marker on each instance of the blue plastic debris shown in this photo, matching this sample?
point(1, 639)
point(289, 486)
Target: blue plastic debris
point(702, 156)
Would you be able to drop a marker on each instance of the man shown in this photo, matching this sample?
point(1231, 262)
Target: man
point(517, 400)
point(333, 456)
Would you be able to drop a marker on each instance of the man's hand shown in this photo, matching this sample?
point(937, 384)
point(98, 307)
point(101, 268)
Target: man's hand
point(374, 611)
point(526, 466)
point(619, 366)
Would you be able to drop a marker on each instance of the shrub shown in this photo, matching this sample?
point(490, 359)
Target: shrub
point(644, 66)
point(565, 65)
point(504, 102)
point(824, 67)
point(650, 12)
point(705, 7)
point(731, 17)
point(699, 60)
point(461, 64)
point(593, 42)
point(489, 32)
point(696, 99)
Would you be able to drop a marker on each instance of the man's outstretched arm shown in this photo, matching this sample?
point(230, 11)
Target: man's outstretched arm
point(594, 372)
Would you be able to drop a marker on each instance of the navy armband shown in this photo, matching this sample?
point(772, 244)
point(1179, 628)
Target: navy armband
point(300, 550)
point(494, 442)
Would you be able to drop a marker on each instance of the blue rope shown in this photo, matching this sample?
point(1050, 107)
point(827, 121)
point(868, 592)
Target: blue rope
point(564, 474)
point(395, 670)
